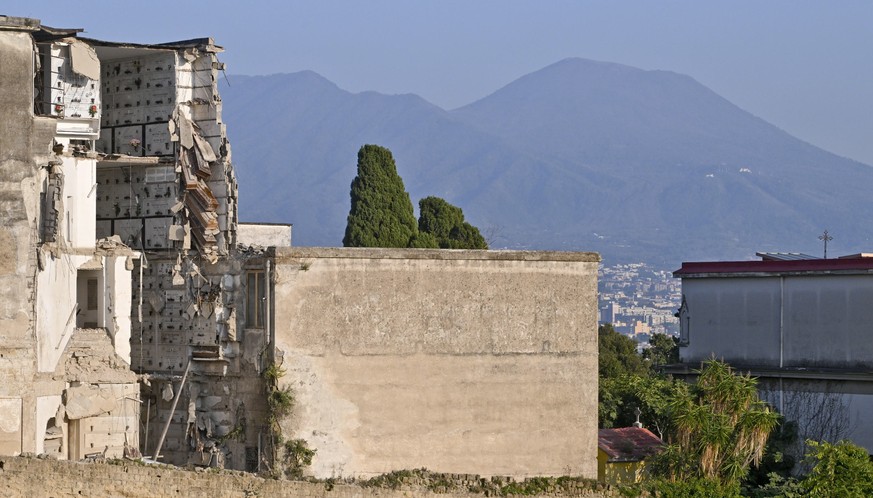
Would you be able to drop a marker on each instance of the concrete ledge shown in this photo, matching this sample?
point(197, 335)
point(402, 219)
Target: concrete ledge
point(292, 253)
point(36, 477)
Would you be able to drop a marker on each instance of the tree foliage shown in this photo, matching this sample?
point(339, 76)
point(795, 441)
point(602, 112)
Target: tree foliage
point(720, 428)
point(717, 430)
point(841, 470)
point(381, 214)
point(618, 354)
point(446, 224)
point(423, 240)
point(778, 463)
point(621, 397)
point(663, 350)
point(628, 383)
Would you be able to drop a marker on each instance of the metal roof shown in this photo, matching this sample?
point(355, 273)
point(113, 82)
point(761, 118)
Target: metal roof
point(784, 256)
point(817, 266)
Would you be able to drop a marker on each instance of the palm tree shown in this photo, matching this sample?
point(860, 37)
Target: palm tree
point(720, 427)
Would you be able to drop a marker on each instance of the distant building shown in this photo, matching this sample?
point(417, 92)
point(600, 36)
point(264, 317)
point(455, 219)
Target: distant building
point(621, 454)
point(642, 328)
point(800, 324)
point(608, 312)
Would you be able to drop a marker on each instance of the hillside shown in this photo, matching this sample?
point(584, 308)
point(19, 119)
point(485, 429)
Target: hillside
point(581, 155)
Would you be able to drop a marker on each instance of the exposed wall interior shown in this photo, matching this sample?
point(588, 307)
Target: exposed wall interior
point(138, 316)
point(62, 288)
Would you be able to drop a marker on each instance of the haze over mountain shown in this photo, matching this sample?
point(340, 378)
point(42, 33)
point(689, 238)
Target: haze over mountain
point(581, 155)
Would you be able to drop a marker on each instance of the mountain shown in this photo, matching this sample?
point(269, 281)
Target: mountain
point(581, 155)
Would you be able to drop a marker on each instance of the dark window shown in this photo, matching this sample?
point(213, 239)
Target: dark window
point(92, 294)
point(255, 299)
point(251, 459)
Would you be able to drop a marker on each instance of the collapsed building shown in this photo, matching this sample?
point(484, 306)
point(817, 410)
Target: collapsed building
point(122, 144)
point(65, 335)
point(140, 317)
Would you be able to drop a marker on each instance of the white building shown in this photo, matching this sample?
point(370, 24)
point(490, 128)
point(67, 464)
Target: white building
point(67, 387)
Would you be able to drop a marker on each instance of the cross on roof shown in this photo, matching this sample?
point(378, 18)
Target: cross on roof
point(826, 238)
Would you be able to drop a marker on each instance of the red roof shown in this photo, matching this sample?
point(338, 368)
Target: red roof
point(862, 264)
point(628, 444)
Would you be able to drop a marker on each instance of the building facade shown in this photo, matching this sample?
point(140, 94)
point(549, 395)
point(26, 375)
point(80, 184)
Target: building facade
point(65, 334)
point(801, 325)
point(139, 315)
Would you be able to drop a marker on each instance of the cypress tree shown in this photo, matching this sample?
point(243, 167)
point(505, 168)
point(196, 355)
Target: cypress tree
point(447, 225)
point(381, 214)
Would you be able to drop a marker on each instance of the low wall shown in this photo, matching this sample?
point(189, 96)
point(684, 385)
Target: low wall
point(457, 361)
point(32, 477)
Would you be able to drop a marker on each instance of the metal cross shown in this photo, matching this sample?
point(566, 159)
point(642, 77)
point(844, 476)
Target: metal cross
point(825, 237)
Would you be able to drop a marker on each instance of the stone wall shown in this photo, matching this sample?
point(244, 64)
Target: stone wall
point(25, 142)
point(55, 282)
point(29, 477)
point(457, 361)
point(264, 234)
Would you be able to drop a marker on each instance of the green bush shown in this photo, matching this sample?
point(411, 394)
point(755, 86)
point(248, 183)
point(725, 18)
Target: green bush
point(297, 456)
point(693, 488)
point(841, 470)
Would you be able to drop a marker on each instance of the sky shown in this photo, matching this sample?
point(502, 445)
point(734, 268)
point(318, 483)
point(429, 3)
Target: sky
point(804, 66)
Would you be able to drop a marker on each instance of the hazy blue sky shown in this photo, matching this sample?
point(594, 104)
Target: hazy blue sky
point(804, 66)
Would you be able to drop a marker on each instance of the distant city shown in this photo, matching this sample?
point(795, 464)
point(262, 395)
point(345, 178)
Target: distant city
point(639, 300)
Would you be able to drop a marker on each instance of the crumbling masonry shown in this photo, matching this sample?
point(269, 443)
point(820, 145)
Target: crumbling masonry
point(123, 144)
point(138, 316)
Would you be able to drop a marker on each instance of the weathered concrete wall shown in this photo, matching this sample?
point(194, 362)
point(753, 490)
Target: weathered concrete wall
point(57, 307)
point(47, 240)
point(29, 477)
point(118, 308)
point(781, 321)
point(823, 409)
point(457, 361)
point(79, 216)
point(25, 145)
point(805, 336)
point(264, 234)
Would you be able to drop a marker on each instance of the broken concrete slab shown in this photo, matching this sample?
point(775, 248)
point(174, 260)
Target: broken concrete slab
point(87, 401)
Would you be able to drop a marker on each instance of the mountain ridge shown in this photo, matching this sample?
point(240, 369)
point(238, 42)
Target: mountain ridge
point(640, 165)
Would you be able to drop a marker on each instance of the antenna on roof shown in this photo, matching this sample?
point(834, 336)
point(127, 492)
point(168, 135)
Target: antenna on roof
point(826, 238)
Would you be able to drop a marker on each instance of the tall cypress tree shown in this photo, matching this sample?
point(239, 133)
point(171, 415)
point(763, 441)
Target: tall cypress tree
point(381, 214)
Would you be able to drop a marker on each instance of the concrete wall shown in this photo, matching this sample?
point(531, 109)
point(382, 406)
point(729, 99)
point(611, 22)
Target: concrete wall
point(264, 234)
point(29, 477)
point(734, 318)
point(823, 409)
point(79, 215)
point(791, 321)
point(46, 237)
point(807, 337)
point(25, 142)
point(120, 294)
point(56, 308)
point(457, 361)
